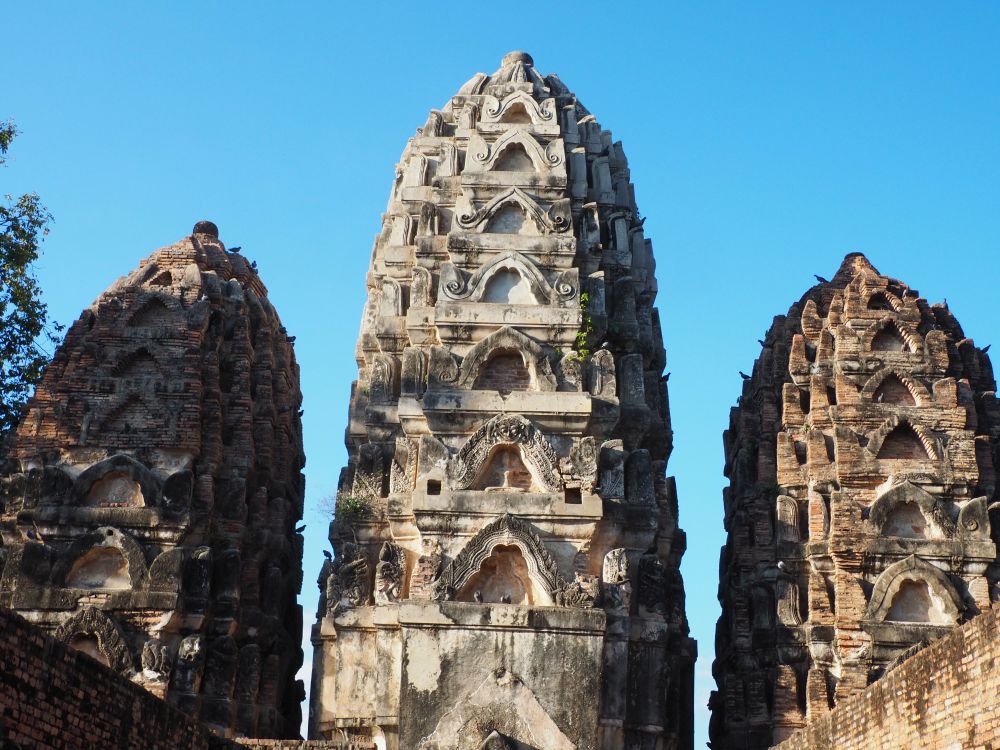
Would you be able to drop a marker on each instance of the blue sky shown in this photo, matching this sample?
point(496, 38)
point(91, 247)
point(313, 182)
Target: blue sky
point(766, 141)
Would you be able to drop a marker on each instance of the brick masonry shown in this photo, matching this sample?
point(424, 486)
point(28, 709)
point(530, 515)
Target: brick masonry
point(53, 696)
point(944, 697)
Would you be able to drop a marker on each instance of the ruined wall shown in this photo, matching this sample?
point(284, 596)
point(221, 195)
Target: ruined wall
point(53, 696)
point(506, 570)
point(148, 511)
point(943, 698)
point(860, 511)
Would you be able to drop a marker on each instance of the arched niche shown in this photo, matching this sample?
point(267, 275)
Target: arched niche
point(509, 278)
point(505, 470)
point(137, 364)
point(522, 560)
point(101, 568)
point(510, 219)
point(514, 158)
point(116, 489)
point(153, 311)
point(508, 287)
point(914, 588)
point(557, 218)
point(117, 481)
point(92, 629)
point(906, 511)
point(503, 372)
point(516, 150)
point(903, 443)
point(891, 336)
point(507, 340)
point(504, 577)
point(915, 602)
point(883, 301)
point(893, 388)
point(106, 559)
point(506, 430)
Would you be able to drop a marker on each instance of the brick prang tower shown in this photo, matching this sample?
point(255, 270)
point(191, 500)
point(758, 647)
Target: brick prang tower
point(149, 503)
point(860, 510)
point(506, 570)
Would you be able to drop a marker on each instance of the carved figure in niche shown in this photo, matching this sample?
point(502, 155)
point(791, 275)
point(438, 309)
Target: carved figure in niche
point(383, 379)
point(190, 660)
point(580, 593)
point(506, 430)
point(420, 288)
point(788, 519)
point(404, 466)
point(116, 489)
point(220, 667)
point(612, 470)
point(248, 673)
point(505, 472)
point(412, 379)
point(391, 299)
point(155, 660)
point(583, 462)
point(639, 487)
point(426, 571)
point(603, 382)
point(389, 574)
point(347, 585)
point(788, 601)
point(427, 226)
point(652, 584)
point(616, 585)
point(369, 477)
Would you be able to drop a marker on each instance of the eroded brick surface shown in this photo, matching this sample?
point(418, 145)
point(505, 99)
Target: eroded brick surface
point(149, 509)
point(861, 461)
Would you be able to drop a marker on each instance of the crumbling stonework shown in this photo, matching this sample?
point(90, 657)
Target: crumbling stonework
point(507, 550)
point(148, 511)
point(943, 698)
point(862, 465)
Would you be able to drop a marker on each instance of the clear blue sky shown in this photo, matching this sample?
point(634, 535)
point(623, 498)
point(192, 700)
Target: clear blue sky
point(766, 140)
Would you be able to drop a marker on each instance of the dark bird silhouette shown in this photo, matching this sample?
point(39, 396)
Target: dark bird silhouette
point(301, 412)
point(300, 529)
point(478, 596)
point(821, 280)
point(986, 348)
point(744, 375)
point(327, 555)
point(666, 377)
point(761, 342)
point(236, 249)
point(291, 339)
point(253, 265)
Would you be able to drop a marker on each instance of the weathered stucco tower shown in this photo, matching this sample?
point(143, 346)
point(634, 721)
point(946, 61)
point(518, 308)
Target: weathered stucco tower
point(507, 549)
point(862, 464)
point(148, 510)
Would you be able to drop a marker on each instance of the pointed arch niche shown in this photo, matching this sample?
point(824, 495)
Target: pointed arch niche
point(511, 279)
point(506, 558)
point(913, 591)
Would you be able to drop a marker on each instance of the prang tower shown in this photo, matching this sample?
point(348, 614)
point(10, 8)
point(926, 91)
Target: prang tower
point(506, 541)
point(149, 505)
point(862, 474)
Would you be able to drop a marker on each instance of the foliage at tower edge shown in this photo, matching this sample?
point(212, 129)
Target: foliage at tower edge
point(506, 541)
point(148, 509)
point(860, 511)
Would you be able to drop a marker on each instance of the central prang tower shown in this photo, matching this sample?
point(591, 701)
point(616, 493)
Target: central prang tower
point(506, 541)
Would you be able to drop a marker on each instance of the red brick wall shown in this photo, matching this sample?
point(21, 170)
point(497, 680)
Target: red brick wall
point(54, 697)
point(944, 697)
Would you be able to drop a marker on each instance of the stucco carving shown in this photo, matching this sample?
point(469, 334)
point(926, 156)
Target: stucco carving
point(94, 623)
point(457, 285)
point(556, 218)
point(506, 429)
